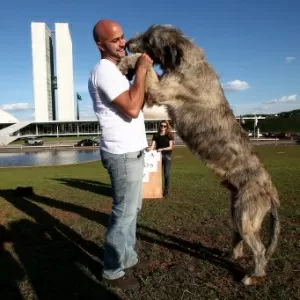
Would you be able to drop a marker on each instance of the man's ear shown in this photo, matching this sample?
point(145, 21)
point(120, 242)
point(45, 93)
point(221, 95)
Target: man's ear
point(100, 46)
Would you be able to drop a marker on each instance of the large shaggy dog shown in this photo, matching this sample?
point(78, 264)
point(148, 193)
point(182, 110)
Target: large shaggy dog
point(195, 101)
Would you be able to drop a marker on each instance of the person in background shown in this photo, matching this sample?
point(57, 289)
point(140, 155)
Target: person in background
point(163, 142)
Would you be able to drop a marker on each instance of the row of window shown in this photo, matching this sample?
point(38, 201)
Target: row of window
point(72, 128)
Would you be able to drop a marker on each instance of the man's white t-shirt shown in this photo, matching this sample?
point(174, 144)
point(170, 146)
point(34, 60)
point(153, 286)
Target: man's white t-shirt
point(120, 134)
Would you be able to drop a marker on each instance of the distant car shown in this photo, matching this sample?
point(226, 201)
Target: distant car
point(33, 141)
point(96, 139)
point(87, 142)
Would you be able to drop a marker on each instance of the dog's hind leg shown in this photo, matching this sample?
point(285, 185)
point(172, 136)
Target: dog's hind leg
point(237, 239)
point(237, 245)
point(248, 214)
point(258, 273)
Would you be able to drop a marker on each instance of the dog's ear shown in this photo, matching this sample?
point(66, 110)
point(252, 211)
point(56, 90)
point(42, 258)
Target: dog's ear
point(169, 42)
point(173, 55)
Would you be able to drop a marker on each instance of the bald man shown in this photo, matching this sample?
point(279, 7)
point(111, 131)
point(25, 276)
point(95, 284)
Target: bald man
point(117, 105)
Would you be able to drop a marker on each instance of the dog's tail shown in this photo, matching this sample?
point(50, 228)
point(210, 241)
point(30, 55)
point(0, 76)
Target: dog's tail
point(274, 229)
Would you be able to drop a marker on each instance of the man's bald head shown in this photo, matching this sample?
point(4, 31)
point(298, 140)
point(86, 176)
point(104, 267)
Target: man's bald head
point(105, 30)
point(109, 38)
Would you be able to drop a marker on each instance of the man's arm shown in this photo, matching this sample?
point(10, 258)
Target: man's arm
point(130, 102)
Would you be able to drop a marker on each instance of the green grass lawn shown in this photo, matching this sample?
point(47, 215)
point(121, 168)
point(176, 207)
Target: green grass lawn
point(51, 244)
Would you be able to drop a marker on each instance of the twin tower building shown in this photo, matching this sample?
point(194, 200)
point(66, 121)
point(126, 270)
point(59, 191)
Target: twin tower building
point(53, 77)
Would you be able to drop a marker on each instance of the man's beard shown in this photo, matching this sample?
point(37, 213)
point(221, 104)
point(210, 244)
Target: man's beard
point(118, 55)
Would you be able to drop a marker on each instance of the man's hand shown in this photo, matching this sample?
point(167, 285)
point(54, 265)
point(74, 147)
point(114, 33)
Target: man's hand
point(144, 62)
point(130, 102)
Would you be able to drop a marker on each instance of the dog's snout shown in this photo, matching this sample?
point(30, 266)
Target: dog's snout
point(131, 46)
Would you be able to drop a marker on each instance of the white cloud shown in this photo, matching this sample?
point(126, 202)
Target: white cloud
point(277, 105)
point(283, 99)
point(17, 107)
point(263, 109)
point(289, 59)
point(235, 86)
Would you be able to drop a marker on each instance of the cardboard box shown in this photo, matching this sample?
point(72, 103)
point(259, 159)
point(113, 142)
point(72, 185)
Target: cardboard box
point(152, 177)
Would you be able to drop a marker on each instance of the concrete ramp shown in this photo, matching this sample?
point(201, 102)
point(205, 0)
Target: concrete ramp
point(10, 133)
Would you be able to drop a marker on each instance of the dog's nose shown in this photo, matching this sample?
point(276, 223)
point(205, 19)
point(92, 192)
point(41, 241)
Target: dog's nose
point(131, 46)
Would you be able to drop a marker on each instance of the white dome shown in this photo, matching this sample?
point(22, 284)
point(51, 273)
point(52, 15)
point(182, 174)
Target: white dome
point(5, 117)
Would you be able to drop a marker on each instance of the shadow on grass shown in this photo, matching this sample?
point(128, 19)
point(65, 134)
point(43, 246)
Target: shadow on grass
point(11, 271)
point(59, 263)
point(92, 215)
point(213, 255)
point(198, 250)
point(96, 187)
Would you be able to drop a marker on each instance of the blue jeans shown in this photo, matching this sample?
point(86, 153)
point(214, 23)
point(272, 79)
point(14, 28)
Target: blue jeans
point(166, 165)
point(126, 175)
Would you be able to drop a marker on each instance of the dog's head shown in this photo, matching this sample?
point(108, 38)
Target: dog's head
point(163, 43)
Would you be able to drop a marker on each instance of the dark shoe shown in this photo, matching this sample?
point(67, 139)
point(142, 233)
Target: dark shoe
point(143, 264)
point(124, 283)
point(165, 194)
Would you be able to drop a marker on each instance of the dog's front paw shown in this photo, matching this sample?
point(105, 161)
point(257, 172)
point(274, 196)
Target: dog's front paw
point(128, 62)
point(253, 280)
point(123, 67)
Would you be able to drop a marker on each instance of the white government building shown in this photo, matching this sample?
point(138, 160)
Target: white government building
point(45, 82)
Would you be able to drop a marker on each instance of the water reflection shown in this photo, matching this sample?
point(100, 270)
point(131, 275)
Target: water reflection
point(46, 158)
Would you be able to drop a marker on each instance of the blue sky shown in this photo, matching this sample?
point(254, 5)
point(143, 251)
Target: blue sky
point(253, 46)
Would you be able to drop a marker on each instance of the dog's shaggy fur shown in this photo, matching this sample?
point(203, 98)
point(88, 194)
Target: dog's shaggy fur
point(195, 101)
